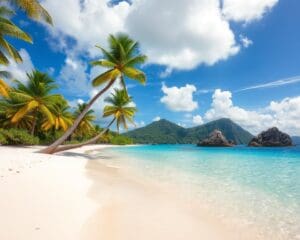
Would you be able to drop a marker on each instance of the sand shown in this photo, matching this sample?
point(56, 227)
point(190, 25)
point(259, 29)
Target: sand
point(71, 196)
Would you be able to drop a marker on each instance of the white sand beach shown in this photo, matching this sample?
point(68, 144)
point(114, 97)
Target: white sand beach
point(71, 196)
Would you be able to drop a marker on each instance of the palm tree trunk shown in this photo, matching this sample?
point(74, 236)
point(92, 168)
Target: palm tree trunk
point(53, 146)
point(34, 122)
point(91, 141)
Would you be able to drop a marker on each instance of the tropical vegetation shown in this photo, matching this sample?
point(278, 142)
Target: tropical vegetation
point(121, 60)
point(120, 109)
point(31, 113)
point(34, 112)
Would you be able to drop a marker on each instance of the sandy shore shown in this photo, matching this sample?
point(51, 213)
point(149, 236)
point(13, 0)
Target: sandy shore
point(71, 196)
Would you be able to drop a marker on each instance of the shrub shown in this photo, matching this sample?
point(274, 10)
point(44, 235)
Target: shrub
point(49, 137)
point(17, 137)
point(2, 139)
point(121, 140)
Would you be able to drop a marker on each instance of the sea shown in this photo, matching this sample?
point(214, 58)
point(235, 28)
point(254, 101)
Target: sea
point(254, 187)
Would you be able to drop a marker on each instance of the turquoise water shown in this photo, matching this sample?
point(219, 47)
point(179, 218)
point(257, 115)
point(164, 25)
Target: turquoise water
point(256, 187)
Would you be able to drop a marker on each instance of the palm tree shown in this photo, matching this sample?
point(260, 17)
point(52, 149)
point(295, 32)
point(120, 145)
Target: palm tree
point(8, 28)
point(33, 9)
point(4, 88)
point(34, 98)
point(86, 125)
point(62, 117)
point(121, 60)
point(120, 109)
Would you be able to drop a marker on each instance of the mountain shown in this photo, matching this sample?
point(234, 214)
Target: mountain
point(296, 140)
point(166, 132)
point(159, 132)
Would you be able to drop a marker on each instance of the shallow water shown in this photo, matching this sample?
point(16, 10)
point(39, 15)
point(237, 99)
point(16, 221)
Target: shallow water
point(255, 187)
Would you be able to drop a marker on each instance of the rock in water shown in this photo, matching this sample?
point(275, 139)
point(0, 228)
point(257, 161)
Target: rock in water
point(271, 138)
point(215, 139)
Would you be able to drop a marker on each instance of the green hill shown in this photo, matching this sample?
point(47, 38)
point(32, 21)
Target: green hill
point(166, 132)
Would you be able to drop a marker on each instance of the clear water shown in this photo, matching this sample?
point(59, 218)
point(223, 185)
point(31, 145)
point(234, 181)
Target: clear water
point(256, 187)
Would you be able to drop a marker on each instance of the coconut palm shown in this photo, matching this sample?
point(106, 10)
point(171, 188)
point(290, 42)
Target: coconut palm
point(34, 98)
point(9, 29)
point(86, 125)
point(33, 9)
point(4, 88)
point(62, 117)
point(119, 108)
point(121, 60)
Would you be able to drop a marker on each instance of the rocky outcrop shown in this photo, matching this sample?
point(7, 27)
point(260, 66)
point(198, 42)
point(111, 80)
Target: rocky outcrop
point(215, 139)
point(271, 138)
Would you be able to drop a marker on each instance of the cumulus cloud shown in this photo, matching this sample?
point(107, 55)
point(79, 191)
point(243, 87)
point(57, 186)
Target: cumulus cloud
point(88, 22)
point(197, 120)
point(182, 36)
point(19, 70)
point(179, 37)
point(74, 77)
point(284, 114)
point(179, 99)
point(245, 10)
point(156, 119)
point(287, 114)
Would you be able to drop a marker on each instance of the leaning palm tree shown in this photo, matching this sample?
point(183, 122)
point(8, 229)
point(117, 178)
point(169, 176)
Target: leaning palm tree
point(9, 29)
point(119, 109)
point(121, 60)
point(33, 9)
point(34, 98)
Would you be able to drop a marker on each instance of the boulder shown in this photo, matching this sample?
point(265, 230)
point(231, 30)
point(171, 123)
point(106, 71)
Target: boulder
point(271, 138)
point(215, 139)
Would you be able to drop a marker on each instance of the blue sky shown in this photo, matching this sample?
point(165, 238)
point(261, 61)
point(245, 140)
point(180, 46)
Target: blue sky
point(241, 46)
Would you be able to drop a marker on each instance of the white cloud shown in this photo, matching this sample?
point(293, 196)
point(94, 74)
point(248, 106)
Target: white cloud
point(137, 125)
point(19, 70)
point(281, 82)
point(181, 124)
point(287, 114)
point(73, 103)
point(166, 73)
point(179, 37)
point(246, 42)
point(284, 114)
point(246, 10)
point(182, 36)
point(88, 22)
point(156, 119)
point(179, 99)
point(197, 120)
point(75, 78)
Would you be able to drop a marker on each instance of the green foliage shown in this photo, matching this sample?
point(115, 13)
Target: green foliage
point(17, 137)
point(3, 140)
point(120, 140)
point(119, 107)
point(165, 132)
point(47, 137)
point(121, 60)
